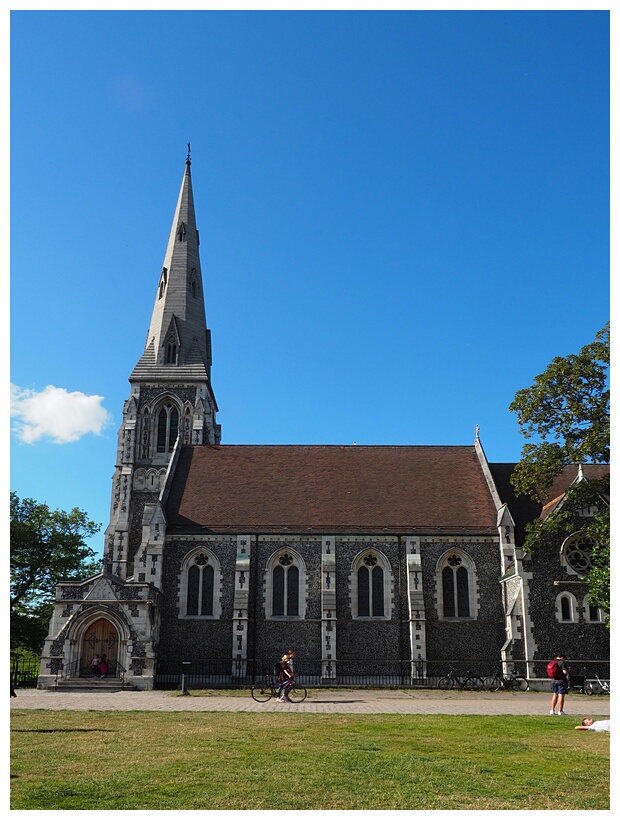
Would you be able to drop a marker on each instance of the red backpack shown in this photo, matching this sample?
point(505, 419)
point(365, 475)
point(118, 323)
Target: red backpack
point(554, 670)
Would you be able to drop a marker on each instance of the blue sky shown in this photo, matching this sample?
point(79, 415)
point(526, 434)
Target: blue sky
point(404, 217)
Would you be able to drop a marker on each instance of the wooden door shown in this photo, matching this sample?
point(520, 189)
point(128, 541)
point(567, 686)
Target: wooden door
point(101, 638)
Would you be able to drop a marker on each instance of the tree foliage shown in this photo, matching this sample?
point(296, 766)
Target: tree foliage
point(47, 546)
point(567, 411)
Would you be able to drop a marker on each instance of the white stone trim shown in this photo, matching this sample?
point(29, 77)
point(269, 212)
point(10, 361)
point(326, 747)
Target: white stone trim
point(240, 621)
point(417, 611)
point(328, 607)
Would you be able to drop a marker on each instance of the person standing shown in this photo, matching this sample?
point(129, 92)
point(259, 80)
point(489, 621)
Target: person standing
point(103, 667)
point(94, 666)
point(560, 683)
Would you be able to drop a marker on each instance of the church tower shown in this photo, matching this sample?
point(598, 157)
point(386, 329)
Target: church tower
point(118, 612)
point(171, 401)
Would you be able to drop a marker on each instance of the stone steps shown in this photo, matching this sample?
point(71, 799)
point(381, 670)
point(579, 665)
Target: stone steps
point(92, 685)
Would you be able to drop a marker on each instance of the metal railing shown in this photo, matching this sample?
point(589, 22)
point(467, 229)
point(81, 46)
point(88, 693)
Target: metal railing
point(77, 669)
point(184, 673)
point(24, 673)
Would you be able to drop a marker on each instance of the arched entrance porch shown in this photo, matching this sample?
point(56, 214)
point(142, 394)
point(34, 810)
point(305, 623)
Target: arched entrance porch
point(100, 638)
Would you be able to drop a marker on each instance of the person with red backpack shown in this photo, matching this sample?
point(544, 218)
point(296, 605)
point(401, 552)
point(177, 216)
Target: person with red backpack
point(558, 671)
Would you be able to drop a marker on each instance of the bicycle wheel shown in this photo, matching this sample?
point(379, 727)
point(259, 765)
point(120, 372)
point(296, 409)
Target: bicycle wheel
point(588, 689)
point(297, 694)
point(519, 684)
point(492, 684)
point(262, 691)
point(446, 683)
point(474, 684)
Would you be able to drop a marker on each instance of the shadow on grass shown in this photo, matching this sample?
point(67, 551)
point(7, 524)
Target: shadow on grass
point(59, 731)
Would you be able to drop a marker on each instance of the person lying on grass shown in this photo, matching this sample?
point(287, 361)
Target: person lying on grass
point(594, 725)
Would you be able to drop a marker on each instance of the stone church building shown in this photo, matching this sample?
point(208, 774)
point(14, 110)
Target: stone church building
point(379, 564)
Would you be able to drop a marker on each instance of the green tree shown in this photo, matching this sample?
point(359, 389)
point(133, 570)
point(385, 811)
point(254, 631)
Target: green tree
point(47, 546)
point(567, 411)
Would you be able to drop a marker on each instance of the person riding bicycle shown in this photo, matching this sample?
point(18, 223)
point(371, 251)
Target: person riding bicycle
point(285, 680)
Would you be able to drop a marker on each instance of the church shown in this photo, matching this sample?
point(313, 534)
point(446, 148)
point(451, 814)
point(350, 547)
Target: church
point(379, 564)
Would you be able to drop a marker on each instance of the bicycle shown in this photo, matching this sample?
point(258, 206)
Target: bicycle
point(466, 681)
point(267, 688)
point(602, 686)
point(510, 681)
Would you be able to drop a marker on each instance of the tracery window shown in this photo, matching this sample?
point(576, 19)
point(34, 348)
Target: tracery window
point(200, 581)
point(576, 553)
point(370, 597)
point(370, 578)
point(456, 585)
point(285, 586)
point(167, 428)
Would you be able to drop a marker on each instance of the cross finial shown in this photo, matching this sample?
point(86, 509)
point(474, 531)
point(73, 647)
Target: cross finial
point(477, 431)
point(189, 151)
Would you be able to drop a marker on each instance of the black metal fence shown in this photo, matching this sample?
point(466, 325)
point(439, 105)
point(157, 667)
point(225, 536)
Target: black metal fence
point(229, 673)
point(195, 673)
point(24, 673)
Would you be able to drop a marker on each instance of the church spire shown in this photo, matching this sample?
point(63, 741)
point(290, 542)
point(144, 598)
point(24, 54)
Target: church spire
point(178, 342)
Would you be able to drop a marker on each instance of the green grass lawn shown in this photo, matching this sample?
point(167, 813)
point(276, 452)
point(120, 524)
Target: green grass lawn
point(225, 760)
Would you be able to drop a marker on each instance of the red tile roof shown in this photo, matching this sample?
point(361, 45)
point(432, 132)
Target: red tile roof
point(561, 483)
point(330, 489)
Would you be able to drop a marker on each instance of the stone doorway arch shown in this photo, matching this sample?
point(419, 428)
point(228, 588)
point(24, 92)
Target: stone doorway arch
point(101, 638)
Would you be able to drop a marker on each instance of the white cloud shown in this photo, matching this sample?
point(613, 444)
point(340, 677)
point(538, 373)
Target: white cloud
point(56, 414)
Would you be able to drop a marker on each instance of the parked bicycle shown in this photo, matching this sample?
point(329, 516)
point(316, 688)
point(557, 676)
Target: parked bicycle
point(498, 680)
point(466, 681)
point(600, 687)
point(264, 690)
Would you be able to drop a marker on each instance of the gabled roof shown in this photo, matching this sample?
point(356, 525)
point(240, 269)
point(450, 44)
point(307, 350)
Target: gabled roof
point(330, 489)
point(523, 508)
point(556, 492)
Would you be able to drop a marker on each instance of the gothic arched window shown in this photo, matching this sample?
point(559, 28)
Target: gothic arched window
point(200, 580)
point(370, 593)
point(171, 353)
point(370, 585)
point(145, 435)
point(593, 614)
point(285, 586)
point(456, 585)
point(566, 608)
point(167, 428)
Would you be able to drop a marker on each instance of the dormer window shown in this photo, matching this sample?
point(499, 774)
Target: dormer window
point(171, 353)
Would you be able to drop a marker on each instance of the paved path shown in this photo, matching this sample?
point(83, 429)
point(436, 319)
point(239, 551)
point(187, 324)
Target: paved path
point(369, 702)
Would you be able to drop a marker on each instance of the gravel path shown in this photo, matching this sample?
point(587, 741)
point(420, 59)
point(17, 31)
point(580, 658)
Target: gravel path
point(369, 702)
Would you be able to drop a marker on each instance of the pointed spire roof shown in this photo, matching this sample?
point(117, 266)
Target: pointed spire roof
point(177, 343)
